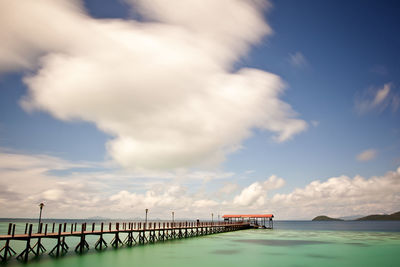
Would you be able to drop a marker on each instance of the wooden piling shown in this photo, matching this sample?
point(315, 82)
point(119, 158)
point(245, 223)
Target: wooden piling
point(39, 247)
point(57, 247)
point(116, 240)
point(82, 245)
point(99, 244)
point(8, 251)
point(25, 253)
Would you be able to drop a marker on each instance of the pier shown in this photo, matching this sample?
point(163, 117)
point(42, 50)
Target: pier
point(124, 234)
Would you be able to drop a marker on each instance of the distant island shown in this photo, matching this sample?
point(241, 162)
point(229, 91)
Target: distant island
point(375, 217)
point(385, 217)
point(98, 218)
point(325, 218)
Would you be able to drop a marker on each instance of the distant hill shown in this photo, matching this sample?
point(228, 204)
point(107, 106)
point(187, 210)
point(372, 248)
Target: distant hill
point(377, 217)
point(351, 217)
point(325, 218)
point(98, 218)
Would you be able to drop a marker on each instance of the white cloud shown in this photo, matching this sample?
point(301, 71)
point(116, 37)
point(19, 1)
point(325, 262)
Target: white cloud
point(228, 188)
point(24, 186)
point(12, 160)
point(256, 193)
point(341, 196)
point(367, 155)
point(314, 123)
point(252, 195)
point(53, 194)
point(83, 194)
point(163, 90)
point(205, 203)
point(173, 196)
point(26, 180)
point(233, 25)
point(377, 99)
point(297, 60)
point(273, 182)
point(381, 95)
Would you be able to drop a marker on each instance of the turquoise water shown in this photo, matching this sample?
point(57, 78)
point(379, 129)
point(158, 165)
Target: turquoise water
point(289, 244)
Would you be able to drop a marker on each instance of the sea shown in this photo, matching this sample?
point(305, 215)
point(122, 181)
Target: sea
point(290, 243)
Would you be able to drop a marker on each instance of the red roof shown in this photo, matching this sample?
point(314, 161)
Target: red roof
point(249, 216)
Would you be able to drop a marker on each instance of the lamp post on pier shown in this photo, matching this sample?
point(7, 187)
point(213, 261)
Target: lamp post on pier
point(41, 205)
point(212, 218)
point(145, 221)
point(173, 217)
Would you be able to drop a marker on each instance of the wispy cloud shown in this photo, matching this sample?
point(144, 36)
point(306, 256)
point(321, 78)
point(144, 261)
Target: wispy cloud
point(297, 60)
point(367, 155)
point(377, 99)
point(379, 69)
point(314, 123)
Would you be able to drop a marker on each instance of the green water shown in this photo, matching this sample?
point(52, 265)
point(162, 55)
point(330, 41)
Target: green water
point(278, 247)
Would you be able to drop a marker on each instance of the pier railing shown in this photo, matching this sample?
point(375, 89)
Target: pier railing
point(124, 234)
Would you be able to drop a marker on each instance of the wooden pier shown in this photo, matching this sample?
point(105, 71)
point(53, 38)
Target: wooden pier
point(134, 233)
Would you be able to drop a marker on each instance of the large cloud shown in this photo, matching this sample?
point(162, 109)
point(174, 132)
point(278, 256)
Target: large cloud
point(164, 90)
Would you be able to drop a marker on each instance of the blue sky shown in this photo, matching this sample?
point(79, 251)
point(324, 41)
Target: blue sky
point(337, 60)
point(348, 48)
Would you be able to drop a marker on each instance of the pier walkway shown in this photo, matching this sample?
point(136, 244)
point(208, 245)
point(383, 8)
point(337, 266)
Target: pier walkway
point(134, 233)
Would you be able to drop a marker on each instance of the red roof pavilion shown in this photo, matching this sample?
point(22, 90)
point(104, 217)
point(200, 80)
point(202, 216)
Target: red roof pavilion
point(249, 216)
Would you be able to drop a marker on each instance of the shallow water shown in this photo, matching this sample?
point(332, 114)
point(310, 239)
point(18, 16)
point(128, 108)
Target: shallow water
point(289, 244)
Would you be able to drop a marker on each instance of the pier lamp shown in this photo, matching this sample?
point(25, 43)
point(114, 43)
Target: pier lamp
point(173, 214)
point(41, 205)
point(212, 218)
point(147, 210)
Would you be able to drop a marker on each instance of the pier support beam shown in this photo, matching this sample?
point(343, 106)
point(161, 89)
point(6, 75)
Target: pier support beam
point(142, 237)
point(116, 240)
point(8, 251)
point(152, 236)
point(61, 246)
point(130, 240)
point(82, 245)
point(180, 235)
point(25, 253)
point(39, 247)
point(99, 244)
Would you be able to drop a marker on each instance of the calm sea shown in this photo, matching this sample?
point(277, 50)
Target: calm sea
point(291, 243)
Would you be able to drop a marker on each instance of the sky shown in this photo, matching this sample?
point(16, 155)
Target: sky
point(199, 107)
